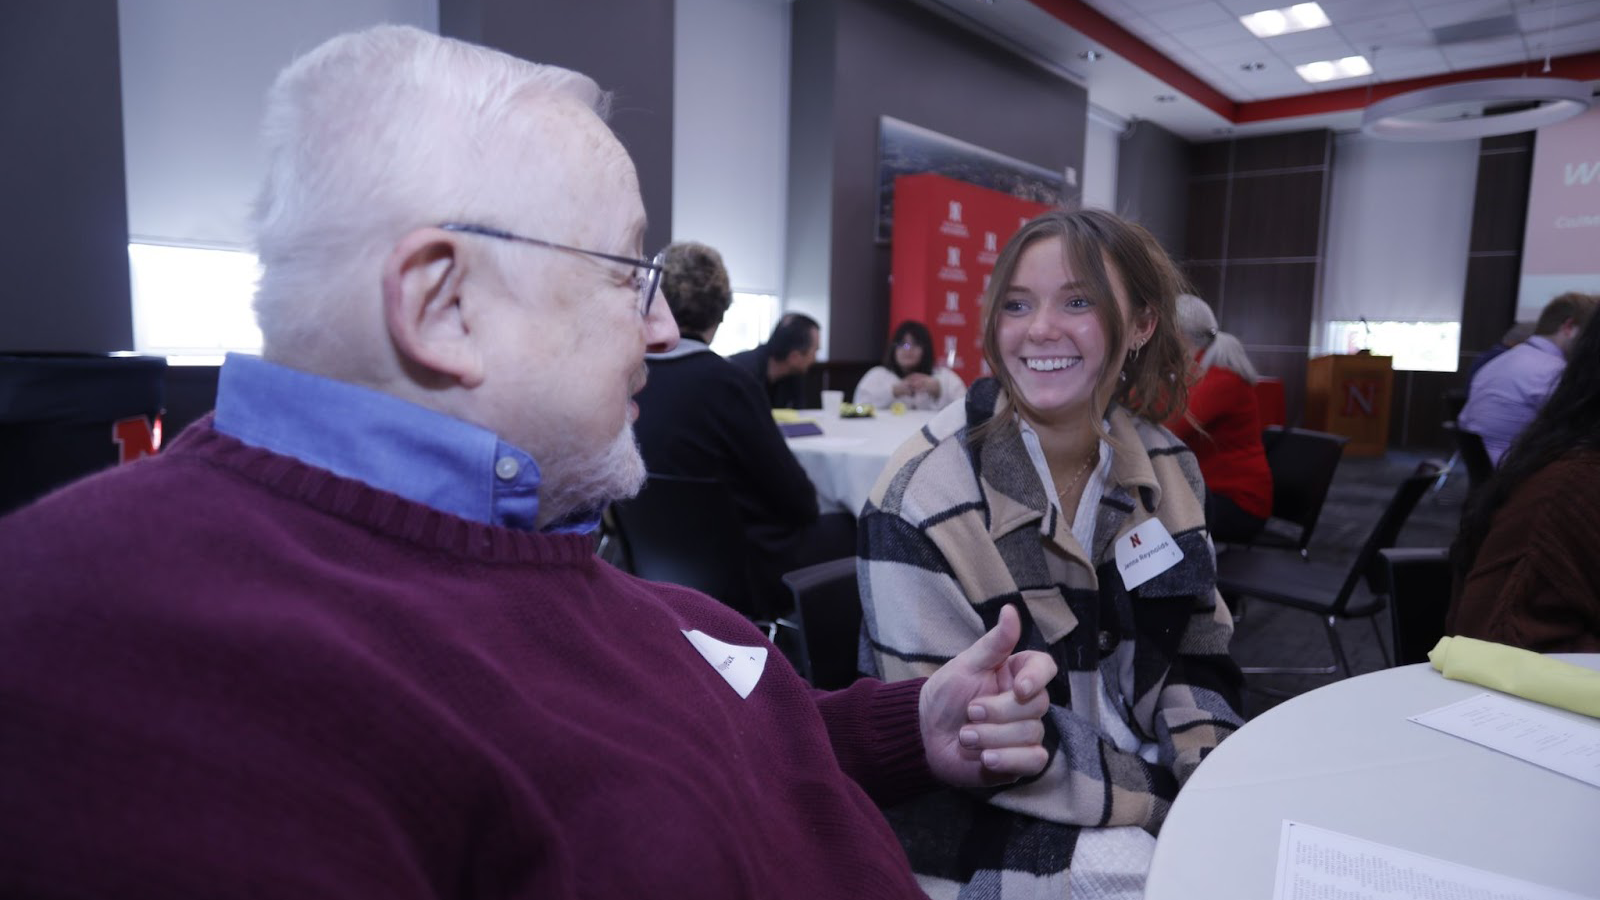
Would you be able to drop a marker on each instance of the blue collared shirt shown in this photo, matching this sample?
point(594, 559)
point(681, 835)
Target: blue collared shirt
point(383, 441)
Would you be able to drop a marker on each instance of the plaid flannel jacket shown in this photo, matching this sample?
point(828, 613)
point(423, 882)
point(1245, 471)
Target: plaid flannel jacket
point(955, 529)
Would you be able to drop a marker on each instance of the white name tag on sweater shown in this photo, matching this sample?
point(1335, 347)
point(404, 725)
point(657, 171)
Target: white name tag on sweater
point(1146, 552)
point(740, 666)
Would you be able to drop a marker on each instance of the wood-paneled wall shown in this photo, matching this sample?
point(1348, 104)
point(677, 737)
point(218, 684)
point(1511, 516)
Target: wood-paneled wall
point(1257, 207)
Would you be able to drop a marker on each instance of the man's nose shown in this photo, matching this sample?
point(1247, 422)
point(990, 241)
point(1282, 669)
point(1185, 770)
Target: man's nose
point(660, 328)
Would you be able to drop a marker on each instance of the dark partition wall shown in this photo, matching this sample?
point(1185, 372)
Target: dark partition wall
point(1494, 264)
point(1256, 212)
point(64, 228)
point(1152, 183)
point(624, 45)
point(857, 60)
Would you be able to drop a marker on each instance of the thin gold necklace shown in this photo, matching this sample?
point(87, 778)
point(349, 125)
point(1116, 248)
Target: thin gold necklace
point(1081, 469)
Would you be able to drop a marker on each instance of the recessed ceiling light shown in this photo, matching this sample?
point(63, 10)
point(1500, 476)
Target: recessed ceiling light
point(1090, 55)
point(1166, 98)
point(1273, 22)
point(1252, 66)
point(1334, 69)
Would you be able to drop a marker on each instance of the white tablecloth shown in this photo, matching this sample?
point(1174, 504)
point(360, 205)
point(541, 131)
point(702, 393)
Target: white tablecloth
point(1344, 758)
point(846, 459)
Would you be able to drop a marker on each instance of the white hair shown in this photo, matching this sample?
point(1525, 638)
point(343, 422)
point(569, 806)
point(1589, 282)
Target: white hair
point(368, 136)
point(1198, 325)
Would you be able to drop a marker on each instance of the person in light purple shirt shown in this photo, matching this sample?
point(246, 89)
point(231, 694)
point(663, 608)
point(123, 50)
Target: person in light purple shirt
point(1507, 392)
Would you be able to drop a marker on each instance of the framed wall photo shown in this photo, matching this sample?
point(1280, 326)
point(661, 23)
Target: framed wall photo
point(907, 149)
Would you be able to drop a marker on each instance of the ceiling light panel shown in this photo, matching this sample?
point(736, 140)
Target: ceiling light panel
point(1272, 22)
point(1334, 69)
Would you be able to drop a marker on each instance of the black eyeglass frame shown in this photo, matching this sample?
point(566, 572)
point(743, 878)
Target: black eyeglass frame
point(647, 290)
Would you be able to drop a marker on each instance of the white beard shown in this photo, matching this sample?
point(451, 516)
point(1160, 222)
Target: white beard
point(585, 481)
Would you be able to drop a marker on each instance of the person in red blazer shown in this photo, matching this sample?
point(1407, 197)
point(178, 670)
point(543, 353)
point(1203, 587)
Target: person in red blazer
point(1222, 425)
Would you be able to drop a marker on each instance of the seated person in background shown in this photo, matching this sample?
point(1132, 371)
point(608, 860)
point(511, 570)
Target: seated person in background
point(1222, 425)
point(1527, 567)
point(780, 365)
point(350, 638)
point(1029, 491)
point(908, 374)
point(700, 416)
point(1506, 393)
point(1514, 335)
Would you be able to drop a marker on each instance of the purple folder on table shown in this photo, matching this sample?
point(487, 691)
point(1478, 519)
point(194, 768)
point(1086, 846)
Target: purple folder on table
point(799, 429)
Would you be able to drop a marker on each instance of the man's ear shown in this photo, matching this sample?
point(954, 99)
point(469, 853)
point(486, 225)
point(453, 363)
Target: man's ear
point(422, 307)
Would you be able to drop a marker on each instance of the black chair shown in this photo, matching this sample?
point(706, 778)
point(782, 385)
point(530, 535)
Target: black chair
point(688, 531)
point(827, 614)
point(65, 416)
point(1476, 457)
point(1302, 463)
point(1331, 592)
point(1419, 599)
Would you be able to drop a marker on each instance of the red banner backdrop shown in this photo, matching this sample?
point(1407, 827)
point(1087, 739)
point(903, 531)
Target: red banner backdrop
point(947, 235)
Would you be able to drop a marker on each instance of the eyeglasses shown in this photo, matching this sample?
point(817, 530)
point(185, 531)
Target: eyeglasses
point(908, 344)
point(647, 282)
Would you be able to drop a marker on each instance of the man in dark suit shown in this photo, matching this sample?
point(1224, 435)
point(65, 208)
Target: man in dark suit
point(780, 364)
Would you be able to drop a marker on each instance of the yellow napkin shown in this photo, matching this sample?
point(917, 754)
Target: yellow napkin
point(1520, 672)
point(785, 416)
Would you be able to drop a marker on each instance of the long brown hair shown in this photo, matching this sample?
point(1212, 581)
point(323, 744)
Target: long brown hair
point(1152, 382)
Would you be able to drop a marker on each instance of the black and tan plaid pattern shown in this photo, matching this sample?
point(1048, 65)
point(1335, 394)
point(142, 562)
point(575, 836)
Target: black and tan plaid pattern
point(957, 528)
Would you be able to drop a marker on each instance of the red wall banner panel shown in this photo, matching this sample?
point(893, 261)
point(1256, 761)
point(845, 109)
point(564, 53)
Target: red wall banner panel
point(947, 235)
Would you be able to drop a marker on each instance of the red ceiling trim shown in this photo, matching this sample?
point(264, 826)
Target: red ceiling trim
point(1583, 67)
point(1095, 26)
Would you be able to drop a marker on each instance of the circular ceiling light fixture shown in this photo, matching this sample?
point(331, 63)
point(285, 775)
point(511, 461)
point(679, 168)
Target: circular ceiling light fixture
point(1452, 112)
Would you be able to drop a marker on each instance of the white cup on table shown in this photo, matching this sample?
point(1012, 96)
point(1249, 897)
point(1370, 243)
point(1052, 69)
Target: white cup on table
point(831, 401)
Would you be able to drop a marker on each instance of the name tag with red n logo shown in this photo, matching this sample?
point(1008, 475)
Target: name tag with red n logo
point(1146, 552)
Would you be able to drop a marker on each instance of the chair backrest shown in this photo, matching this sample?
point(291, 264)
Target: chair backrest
point(827, 609)
point(1368, 564)
point(1302, 463)
point(688, 531)
point(1479, 467)
point(1419, 599)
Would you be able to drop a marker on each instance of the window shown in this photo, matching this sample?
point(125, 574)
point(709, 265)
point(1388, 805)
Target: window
point(1415, 346)
point(749, 322)
point(191, 304)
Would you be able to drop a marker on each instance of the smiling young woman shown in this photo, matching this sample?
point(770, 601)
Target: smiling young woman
point(1024, 495)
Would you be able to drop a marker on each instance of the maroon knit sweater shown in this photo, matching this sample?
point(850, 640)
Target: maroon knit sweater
point(226, 674)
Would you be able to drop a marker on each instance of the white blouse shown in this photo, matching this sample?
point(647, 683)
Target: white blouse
point(877, 388)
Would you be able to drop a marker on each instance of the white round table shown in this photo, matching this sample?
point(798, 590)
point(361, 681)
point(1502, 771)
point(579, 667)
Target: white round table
point(845, 460)
point(1345, 758)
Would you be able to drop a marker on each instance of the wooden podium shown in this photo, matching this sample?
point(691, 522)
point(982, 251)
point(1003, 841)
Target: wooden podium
point(1349, 395)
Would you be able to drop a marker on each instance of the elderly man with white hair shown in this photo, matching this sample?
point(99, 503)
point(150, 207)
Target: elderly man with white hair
point(348, 637)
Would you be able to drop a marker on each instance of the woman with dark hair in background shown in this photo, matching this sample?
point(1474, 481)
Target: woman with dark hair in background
point(908, 374)
point(1527, 558)
point(1222, 425)
point(1033, 493)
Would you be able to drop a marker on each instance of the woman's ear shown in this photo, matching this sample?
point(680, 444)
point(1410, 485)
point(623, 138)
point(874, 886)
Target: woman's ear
point(423, 306)
point(1142, 327)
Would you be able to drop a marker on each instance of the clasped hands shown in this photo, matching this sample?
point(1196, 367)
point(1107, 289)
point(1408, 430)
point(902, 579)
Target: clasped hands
point(981, 711)
point(917, 382)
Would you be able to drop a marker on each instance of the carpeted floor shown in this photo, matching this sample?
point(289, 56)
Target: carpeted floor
point(1268, 634)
